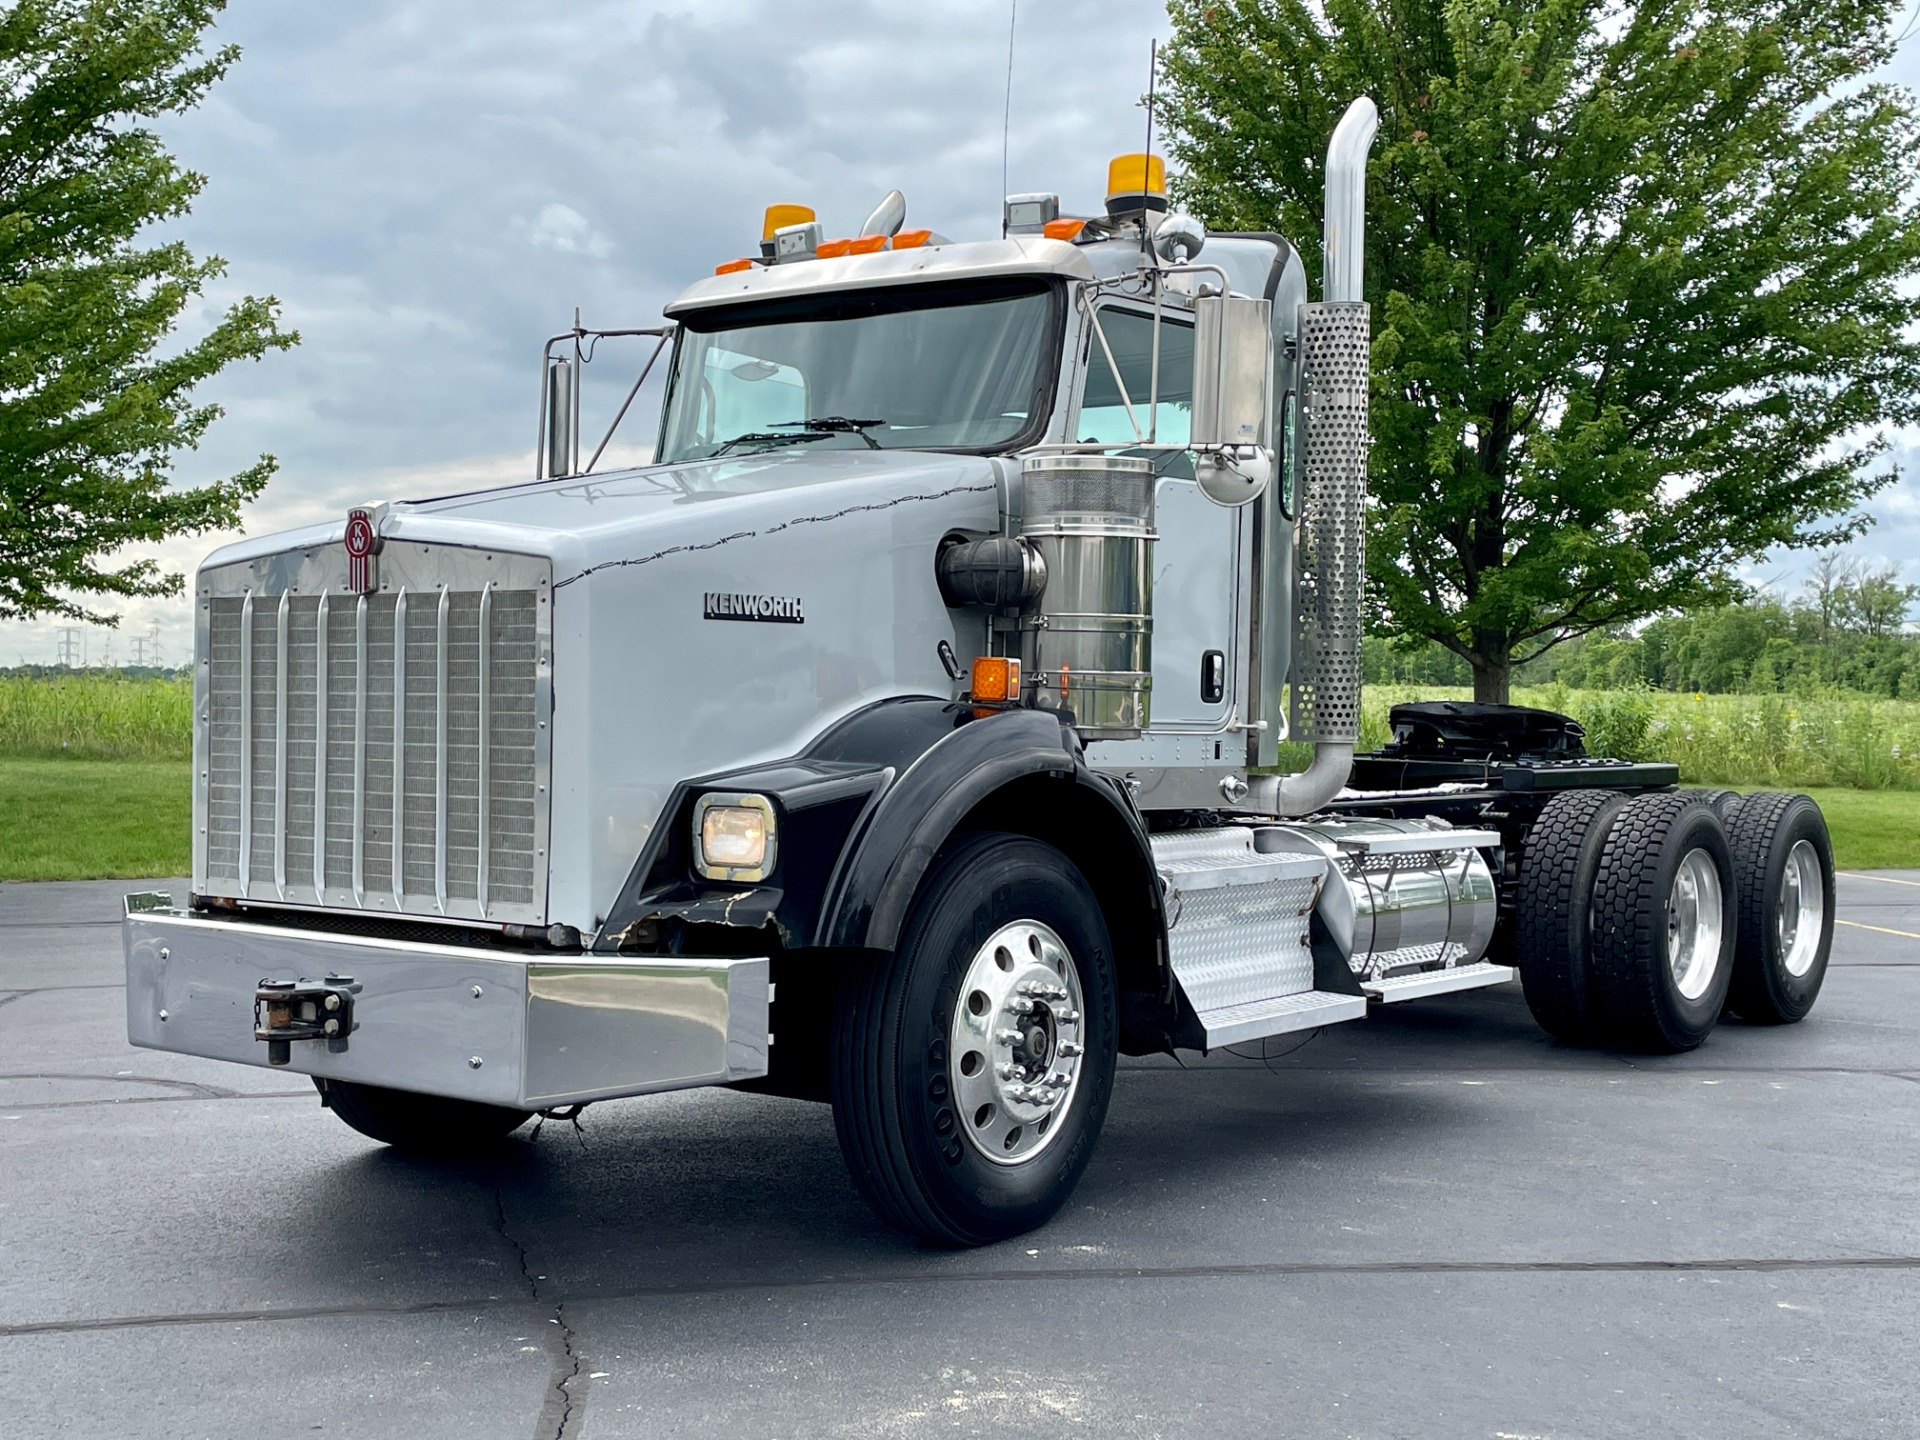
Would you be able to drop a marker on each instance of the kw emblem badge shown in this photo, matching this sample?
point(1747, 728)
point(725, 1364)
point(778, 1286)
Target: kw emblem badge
point(363, 543)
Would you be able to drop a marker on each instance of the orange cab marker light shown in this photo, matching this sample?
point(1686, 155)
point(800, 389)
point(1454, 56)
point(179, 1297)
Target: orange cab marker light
point(911, 239)
point(866, 244)
point(779, 216)
point(996, 678)
point(733, 267)
point(831, 249)
point(1062, 229)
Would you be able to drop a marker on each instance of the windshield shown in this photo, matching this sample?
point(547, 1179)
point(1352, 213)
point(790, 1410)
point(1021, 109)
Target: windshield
point(952, 367)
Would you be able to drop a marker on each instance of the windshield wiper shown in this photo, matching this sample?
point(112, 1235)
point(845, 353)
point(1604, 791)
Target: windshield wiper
point(763, 437)
point(835, 425)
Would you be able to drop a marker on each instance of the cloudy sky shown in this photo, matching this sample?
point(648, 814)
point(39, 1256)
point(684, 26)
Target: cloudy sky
point(431, 186)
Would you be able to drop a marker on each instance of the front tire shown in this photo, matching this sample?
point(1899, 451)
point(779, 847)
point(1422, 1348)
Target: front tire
point(1664, 917)
point(972, 1066)
point(422, 1124)
point(1784, 862)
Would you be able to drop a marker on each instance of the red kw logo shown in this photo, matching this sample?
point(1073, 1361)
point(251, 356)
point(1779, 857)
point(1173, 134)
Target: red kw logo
point(362, 545)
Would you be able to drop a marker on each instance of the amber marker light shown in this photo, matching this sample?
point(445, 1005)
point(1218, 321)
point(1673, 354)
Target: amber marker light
point(733, 267)
point(911, 239)
point(866, 244)
point(1062, 229)
point(779, 216)
point(833, 249)
point(1136, 175)
point(996, 678)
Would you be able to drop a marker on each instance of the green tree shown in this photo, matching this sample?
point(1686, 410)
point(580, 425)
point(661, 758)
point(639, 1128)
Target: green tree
point(95, 386)
point(1641, 277)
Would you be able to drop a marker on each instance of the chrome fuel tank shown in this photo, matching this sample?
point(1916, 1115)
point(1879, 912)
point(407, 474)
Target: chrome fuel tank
point(1414, 895)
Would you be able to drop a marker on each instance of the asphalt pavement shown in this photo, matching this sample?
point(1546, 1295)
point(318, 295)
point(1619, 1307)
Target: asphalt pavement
point(1435, 1222)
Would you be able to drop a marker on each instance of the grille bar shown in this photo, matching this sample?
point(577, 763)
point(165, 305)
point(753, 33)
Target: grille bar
point(280, 748)
point(399, 743)
point(486, 765)
point(440, 755)
point(246, 744)
point(360, 752)
point(320, 719)
point(339, 774)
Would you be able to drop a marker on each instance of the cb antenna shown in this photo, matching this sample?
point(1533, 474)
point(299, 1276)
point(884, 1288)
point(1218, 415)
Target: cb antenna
point(1146, 164)
point(1006, 117)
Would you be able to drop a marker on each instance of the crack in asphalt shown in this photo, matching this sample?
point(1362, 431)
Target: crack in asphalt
point(856, 1279)
point(562, 1410)
point(156, 1100)
point(196, 1089)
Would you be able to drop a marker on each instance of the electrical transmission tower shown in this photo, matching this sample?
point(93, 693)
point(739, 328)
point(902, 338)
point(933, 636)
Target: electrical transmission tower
point(71, 646)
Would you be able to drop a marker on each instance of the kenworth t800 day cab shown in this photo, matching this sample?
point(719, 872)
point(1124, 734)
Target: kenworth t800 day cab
point(908, 734)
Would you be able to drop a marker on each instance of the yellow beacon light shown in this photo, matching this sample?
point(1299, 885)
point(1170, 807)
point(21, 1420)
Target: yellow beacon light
point(782, 215)
point(1136, 182)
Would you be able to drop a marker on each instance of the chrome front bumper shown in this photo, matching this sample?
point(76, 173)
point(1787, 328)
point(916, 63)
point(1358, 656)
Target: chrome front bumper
point(446, 1020)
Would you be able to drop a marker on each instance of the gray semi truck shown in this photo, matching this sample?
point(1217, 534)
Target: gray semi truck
point(908, 734)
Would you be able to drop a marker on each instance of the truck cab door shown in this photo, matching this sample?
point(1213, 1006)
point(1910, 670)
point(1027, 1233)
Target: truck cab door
point(1197, 559)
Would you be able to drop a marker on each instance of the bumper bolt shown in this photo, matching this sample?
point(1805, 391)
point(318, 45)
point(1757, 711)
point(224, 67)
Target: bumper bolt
point(474, 1062)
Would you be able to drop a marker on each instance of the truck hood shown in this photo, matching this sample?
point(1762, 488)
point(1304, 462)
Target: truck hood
point(583, 522)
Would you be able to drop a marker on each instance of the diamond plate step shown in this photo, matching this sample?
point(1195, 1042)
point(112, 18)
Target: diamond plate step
point(1232, 1024)
point(1437, 982)
point(1238, 933)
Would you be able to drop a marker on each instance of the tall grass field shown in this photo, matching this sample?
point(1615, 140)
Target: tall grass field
point(95, 769)
point(95, 717)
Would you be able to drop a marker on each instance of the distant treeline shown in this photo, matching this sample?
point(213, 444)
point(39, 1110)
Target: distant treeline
point(62, 672)
point(1845, 631)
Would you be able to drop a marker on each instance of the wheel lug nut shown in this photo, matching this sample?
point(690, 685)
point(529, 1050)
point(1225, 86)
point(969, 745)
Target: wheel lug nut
point(1007, 1071)
point(1008, 1037)
point(1019, 1007)
point(1068, 1050)
point(1067, 1017)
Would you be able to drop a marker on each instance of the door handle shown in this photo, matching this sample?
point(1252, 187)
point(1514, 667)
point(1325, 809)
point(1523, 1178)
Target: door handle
point(1213, 677)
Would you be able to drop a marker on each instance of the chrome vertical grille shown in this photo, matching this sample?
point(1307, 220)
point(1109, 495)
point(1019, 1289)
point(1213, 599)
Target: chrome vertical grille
point(383, 752)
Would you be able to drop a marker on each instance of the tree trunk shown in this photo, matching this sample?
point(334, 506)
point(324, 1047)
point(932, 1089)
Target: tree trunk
point(1492, 662)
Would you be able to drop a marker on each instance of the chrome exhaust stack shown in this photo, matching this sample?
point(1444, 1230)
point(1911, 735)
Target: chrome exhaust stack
point(1335, 336)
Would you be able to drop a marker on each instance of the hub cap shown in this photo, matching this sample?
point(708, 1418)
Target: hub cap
point(1694, 916)
point(1017, 1040)
point(1802, 911)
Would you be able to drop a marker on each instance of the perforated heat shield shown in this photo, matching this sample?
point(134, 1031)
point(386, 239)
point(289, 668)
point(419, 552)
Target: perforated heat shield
point(1333, 546)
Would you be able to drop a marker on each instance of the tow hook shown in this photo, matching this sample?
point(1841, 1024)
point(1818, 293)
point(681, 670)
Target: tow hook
point(289, 1010)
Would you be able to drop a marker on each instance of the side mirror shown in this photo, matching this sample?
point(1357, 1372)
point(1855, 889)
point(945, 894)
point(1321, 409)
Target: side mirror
point(1232, 355)
point(559, 419)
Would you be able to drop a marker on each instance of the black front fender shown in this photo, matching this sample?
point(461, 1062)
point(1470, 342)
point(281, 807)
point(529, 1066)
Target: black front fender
point(877, 879)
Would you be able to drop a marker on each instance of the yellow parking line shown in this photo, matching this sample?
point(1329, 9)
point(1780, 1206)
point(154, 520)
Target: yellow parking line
point(1883, 879)
point(1877, 929)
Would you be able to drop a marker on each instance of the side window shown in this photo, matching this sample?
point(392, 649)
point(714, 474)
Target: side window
point(1129, 334)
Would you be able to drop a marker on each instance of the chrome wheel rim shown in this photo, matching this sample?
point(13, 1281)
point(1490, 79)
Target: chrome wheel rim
point(1017, 1041)
point(1694, 924)
point(1801, 915)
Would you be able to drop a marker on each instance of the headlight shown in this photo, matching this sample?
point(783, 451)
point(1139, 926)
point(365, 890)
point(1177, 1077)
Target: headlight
point(734, 837)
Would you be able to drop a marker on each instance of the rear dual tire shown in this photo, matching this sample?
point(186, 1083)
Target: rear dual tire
point(1783, 864)
point(1664, 921)
point(1640, 921)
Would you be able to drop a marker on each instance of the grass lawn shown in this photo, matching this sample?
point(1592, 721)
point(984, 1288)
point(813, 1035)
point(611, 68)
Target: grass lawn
point(1873, 829)
point(95, 819)
point(130, 819)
